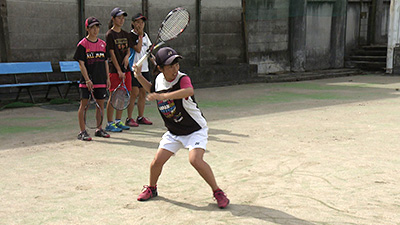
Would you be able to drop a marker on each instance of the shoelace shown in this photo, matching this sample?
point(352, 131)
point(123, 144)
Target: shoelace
point(219, 195)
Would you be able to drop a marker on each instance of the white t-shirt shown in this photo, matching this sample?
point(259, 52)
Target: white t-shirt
point(138, 55)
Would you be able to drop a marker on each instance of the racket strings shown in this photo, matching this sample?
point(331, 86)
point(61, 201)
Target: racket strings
point(174, 25)
point(120, 99)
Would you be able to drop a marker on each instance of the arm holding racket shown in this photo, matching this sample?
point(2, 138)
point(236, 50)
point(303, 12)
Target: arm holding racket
point(138, 75)
point(85, 75)
point(178, 94)
point(116, 65)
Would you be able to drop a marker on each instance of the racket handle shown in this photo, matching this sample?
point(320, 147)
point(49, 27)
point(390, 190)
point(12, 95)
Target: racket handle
point(140, 62)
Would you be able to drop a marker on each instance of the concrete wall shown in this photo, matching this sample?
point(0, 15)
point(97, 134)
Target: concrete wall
point(42, 30)
point(268, 33)
point(49, 29)
point(319, 22)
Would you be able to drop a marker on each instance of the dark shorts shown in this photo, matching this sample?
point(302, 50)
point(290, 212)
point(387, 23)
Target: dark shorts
point(136, 83)
point(99, 93)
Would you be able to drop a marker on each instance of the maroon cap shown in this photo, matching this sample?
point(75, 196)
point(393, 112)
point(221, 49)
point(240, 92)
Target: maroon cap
point(91, 21)
point(138, 17)
point(166, 55)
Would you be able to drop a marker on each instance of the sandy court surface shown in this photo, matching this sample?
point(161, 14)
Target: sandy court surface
point(313, 152)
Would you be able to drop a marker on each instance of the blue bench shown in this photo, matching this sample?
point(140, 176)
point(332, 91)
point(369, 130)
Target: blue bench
point(70, 67)
point(18, 69)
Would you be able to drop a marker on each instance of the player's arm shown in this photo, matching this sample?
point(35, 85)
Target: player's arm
point(125, 63)
point(178, 94)
point(138, 46)
point(107, 74)
point(85, 75)
point(116, 65)
point(142, 80)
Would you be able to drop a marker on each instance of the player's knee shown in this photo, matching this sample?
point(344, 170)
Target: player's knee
point(196, 162)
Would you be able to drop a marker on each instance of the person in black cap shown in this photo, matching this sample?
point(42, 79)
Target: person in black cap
point(142, 44)
point(187, 127)
point(118, 45)
point(92, 56)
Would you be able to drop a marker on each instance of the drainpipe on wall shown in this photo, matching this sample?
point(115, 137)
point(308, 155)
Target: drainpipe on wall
point(4, 38)
point(393, 33)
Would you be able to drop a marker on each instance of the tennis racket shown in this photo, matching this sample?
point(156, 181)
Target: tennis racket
point(93, 114)
point(173, 25)
point(120, 97)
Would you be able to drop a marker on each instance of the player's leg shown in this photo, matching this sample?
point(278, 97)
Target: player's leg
point(100, 94)
point(141, 103)
point(156, 166)
point(197, 161)
point(134, 93)
point(114, 79)
point(169, 145)
point(202, 167)
point(83, 135)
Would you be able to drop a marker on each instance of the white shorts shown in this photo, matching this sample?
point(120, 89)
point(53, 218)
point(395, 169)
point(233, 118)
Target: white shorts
point(194, 140)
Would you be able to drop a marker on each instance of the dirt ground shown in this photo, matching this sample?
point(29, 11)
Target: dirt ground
point(313, 152)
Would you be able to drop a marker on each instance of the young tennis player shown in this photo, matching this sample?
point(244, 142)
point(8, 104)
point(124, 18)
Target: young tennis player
point(118, 44)
point(186, 125)
point(143, 43)
point(92, 57)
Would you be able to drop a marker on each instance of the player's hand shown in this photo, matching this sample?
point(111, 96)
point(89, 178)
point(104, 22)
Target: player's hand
point(125, 63)
point(108, 83)
point(137, 70)
point(89, 85)
point(155, 96)
point(121, 75)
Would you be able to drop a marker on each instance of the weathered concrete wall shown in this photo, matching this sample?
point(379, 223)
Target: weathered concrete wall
point(319, 18)
point(268, 33)
point(42, 30)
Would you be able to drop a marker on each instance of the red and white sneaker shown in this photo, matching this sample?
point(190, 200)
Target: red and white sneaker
point(221, 198)
point(147, 193)
point(143, 120)
point(131, 122)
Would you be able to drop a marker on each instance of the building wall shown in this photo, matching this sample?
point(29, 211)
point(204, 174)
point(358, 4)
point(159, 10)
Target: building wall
point(49, 30)
point(268, 34)
point(318, 35)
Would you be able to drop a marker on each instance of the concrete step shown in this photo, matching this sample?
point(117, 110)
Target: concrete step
point(363, 52)
point(374, 47)
point(366, 58)
point(366, 65)
point(309, 75)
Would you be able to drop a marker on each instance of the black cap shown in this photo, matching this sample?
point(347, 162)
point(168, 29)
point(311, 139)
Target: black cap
point(138, 17)
point(118, 12)
point(166, 55)
point(91, 21)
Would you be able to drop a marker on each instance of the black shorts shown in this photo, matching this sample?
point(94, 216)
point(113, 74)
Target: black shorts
point(99, 93)
point(136, 83)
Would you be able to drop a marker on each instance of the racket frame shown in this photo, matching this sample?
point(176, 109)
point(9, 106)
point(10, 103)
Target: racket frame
point(162, 42)
point(120, 86)
point(91, 97)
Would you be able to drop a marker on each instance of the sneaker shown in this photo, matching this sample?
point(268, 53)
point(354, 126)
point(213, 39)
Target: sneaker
point(144, 121)
point(221, 198)
point(113, 128)
point(101, 133)
point(84, 136)
point(131, 122)
point(122, 126)
point(147, 193)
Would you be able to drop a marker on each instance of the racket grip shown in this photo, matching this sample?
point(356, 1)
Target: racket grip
point(140, 62)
